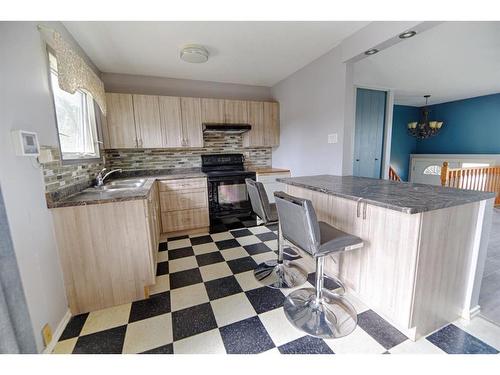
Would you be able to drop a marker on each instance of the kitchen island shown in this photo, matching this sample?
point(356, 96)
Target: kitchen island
point(422, 245)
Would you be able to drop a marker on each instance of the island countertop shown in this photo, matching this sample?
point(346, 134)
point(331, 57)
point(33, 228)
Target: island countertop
point(399, 196)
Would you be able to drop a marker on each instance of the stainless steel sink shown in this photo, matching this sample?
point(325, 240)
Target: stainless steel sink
point(118, 185)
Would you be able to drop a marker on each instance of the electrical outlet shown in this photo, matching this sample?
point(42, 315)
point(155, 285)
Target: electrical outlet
point(47, 334)
point(333, 138)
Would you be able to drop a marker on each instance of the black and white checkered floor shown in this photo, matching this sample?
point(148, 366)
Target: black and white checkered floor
point(206, 300)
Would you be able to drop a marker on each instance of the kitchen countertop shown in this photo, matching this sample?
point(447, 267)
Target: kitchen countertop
point(87, 196)
point(399, 196)
point(269, 170)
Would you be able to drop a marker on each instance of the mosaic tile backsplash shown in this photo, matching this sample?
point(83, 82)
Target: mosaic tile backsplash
point(140, 159)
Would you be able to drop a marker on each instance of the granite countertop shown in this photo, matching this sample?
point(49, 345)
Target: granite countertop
point(89, 196)
point(399, 196)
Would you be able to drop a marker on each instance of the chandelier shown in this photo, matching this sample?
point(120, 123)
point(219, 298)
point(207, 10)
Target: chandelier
point(424, 128)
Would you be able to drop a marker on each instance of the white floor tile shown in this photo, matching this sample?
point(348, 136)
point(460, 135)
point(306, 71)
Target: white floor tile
point(482, 329)
point(306, 285)
point(162, 256)
point(162, 285)
point(232, 309)
point(209, 342)
point(234, 253)
point(222, 236)
point(215, 271)
point(182, 264)
point(356, 303)
point(358, 342)
point(247, 280)
point(279, 328)
point(177, 244)
point(65, 346)
point(422, 346)
point(107, 318)
point(273, 244)
point(205, 248)
point(188, 296)
point(263, 257)
point(307, 263)
point(148, 334)
point(259, 229)
point(248, 240)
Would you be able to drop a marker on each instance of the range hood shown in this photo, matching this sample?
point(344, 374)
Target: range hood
point(213, 127)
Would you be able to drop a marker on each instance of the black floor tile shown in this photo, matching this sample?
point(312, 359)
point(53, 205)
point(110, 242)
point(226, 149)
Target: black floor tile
point(180, 253)
point(193, 320)
point(155, 305)
point(201, 240)
point(178, 238)
point(241, 264)
point(306, 345)
point(265, 299)
point(185, 278)
point(218, 228)
point(385, 334)
point(453, 340)
point(256, 248)
point(223, 287)
point(109, 341)
point(209, 258)
point(241, 233)
point(161, 268)
point(246, 337)
point(269, 236)
point(227, 244)
point(74, 327)
point(273, 227)
point(163, 246)
point(327, 283)
point(165, 349)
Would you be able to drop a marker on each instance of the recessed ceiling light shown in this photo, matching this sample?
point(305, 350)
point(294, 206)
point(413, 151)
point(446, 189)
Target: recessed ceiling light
point(372, 51)
point(407, 34)
point(194, 53)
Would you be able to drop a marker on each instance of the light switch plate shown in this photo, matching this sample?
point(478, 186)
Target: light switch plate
point(333, 138)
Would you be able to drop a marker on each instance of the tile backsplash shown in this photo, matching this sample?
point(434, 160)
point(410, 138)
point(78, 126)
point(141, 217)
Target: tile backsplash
point(140, 159)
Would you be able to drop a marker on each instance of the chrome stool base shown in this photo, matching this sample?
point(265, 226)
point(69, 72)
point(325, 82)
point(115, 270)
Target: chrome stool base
point(332, 316)
point(280, 276)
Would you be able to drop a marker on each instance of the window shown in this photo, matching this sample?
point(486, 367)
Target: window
point(76, 120)
point(434, 170)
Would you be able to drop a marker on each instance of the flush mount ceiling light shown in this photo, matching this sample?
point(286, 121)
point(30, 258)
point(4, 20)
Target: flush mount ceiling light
point(194, 53)
point(370, 52)
point(407, 34)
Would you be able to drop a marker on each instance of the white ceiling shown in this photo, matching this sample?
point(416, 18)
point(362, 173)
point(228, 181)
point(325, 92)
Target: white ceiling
point(452, 61)
point(253, 53)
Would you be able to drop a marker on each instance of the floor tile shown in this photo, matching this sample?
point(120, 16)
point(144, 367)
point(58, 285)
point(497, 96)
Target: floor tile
point(209, 258)
point(163, 246)
point(74, 326)
point(265, 299)
point(234, 253)
point(247, 280)
point(259, 229)
point(421, 346)
point(246, 337)
point(273, 351)
point(180, 253)
point(162, 285)
point(482, 329)
point(201, 240)
point(273, 244)
point(306, 345)
point(175, 238)
point(162, 256)
point(257, 248)
point(215, 271)
point(65, 346)
point(242, 264)
point(222, 236)
point(106, 318)
point(356, 303)
point(164, 349)
point(241, 233)
point(264, 257)
point(327, 282)
point(272, 227)
point(177, 244)
point(269, 236)
point(109, 341)
point(307, 263)
point(357, 342)
point(185, 278)
point(192, 321)
point(148, 334)
point(306, 285)
point(385, 334)
point(227, 244)
point(157, 304)
point(248, 240)
point(182, 264)
point(205, 248)
point(232, 309)
point(222, 287)
point(279, 328)
point(209, 342)
point(162, 268)
point(188, 296)
point(453, 340)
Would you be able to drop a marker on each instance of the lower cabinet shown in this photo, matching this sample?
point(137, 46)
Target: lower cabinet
point(184, 204)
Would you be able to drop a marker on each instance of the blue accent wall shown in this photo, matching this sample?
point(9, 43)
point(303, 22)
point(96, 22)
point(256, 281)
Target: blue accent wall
point(472, 126)
point(403, 144)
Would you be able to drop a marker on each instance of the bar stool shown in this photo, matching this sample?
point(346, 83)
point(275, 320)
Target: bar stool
point(316, 311)
point(273, 273)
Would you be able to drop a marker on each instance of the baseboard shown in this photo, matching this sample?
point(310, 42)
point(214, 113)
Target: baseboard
point(472, 313)
point(57, 333)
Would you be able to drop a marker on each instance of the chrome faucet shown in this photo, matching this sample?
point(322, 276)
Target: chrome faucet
point(100, 178)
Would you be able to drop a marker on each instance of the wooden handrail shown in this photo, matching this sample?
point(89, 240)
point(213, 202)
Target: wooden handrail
point(393, 175)
point(472, 178)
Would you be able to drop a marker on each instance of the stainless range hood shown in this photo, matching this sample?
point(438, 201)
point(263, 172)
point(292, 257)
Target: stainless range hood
point(212, 127)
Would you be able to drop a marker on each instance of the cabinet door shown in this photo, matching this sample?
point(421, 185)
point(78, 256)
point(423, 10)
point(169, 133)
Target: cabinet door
point(271, 124)
point(212, 110)
point(255, 137)
point(120, 121)
point(147, 121)
point(235, 111)
point(191, 122)
point(171, 120)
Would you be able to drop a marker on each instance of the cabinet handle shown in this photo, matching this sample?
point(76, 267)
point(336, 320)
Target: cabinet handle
point(358, 207)
point(136, 143)
point(364, 211)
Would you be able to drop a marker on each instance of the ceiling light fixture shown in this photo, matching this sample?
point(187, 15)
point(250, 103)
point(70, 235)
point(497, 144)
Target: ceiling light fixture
point(194, 53)
point(407, 34)
point(370, 52)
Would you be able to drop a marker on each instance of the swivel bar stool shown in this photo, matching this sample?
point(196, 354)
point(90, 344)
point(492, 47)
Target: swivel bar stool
point(316, 311)
point(273, 273)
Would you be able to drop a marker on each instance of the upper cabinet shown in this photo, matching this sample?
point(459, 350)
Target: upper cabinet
point(147, 121)
point(120, 121)
point(264, 118)
point(212, 110)
point(171, 121)
point(191, 122)
point(235, 111)
point(271, 124)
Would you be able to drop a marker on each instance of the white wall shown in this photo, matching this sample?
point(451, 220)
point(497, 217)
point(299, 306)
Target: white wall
point(25, 103)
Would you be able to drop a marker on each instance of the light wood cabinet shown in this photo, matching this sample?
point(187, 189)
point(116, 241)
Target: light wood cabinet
point(270, 183)
point(171, 120)
point(147, 121)
point(212, 110)
point(121, 130)
point(255, 137)
point(235, 111)
point(191, 122)
point(271, 124)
